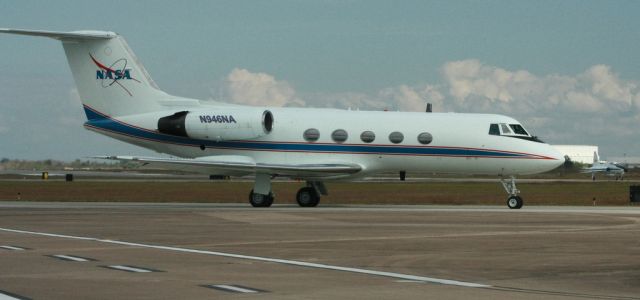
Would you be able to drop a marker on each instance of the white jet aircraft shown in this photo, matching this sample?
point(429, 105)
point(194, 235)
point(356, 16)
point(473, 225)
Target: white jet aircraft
point(316, 145)
point(608, 168)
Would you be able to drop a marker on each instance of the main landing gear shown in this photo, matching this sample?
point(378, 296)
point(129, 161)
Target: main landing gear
point(260, 200)
point(261, 195)
point(514, 201)
point(308, 196)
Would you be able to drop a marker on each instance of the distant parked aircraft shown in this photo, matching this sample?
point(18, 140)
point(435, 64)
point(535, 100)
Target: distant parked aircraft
point(608, 168)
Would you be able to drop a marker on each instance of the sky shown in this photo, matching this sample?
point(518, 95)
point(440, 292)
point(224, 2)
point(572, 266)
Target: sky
point(568, 70)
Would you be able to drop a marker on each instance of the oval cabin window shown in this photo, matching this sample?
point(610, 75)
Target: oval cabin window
point(339, 135)
point(311, 135)
point(396, 137)
point(368, 136)
point(425, 138)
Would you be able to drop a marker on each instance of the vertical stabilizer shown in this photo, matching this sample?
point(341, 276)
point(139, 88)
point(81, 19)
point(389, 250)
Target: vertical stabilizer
point(109, 77)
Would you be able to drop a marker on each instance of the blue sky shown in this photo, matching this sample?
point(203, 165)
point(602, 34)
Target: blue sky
point(569, 70)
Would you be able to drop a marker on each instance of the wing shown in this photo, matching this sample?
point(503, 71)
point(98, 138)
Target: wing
point(592, 170)
point(245, 165)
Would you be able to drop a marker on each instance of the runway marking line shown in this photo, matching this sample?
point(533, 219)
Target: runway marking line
point(4, 295)
point(13, 248)
point(233, 288)
point(71, 258)
point(264, 259)
point(131, 269)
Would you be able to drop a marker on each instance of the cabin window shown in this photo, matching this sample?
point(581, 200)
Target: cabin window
point(517, 128)
point(311, 135)
point(425, 138)
point(339, 135)
point(396, 137)
point(368, 136)
point(494, 129)
point(505, 128)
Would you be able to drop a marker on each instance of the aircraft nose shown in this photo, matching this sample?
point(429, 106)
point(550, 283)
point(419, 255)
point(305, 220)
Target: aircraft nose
point(558, 158)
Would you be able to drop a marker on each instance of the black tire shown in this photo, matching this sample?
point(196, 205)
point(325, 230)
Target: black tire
point(260, 200)
point(520, 201)
point(307, 197)
point(515, 202)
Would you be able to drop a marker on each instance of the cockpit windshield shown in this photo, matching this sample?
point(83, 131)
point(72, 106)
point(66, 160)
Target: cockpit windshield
point(494, 129)
point(511, 130)
point(517, 128)
point(505, 128)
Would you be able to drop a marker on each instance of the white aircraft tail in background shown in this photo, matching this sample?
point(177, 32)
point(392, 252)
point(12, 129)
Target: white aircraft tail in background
point(315, 145)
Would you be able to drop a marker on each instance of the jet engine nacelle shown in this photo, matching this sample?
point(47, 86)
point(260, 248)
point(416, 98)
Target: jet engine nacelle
point(218, 125)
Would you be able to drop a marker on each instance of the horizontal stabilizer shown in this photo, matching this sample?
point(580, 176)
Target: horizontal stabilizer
point(61, 35)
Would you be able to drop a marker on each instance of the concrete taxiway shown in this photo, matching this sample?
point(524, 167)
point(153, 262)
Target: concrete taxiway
point(202, 251)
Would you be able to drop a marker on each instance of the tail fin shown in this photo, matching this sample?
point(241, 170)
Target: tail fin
point(595, 157)
point(109, 77)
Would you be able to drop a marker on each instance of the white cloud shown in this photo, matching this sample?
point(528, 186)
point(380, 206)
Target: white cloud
point(577, 101)
point(607, 86)
point(406, 98)
point(588, 107)
point(352, 100)
point(259, 89)
point(597, 90)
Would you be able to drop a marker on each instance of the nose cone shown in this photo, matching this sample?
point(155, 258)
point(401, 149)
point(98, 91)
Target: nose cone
point(556, 158)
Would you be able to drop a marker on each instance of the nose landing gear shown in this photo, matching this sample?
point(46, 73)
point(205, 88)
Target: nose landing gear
point(514, 201)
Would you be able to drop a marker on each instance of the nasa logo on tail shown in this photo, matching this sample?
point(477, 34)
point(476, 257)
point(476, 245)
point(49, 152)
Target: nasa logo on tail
point(114, 73)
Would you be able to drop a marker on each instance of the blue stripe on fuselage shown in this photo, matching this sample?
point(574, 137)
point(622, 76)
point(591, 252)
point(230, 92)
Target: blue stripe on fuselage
point(93, 115)
point(103, 122)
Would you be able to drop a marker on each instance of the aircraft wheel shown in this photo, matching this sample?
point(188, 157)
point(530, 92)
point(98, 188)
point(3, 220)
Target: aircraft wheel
point(260, 200)
point(514, 202)
point(307, 197)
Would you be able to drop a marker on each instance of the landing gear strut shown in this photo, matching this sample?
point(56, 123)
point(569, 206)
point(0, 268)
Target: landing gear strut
point(261, 195)
point(514, 201)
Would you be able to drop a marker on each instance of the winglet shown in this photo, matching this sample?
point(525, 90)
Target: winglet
point(62, 35)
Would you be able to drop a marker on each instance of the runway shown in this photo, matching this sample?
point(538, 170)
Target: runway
point(202, 251)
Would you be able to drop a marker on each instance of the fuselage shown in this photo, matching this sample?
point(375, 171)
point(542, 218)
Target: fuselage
point(122, 101)
point(608, 168)
point(459, 143)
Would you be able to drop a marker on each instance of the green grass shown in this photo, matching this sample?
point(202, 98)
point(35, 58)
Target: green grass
point(556, 193)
